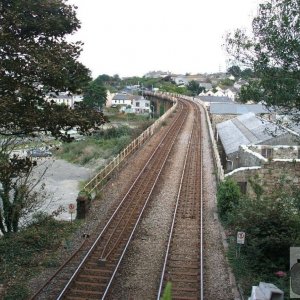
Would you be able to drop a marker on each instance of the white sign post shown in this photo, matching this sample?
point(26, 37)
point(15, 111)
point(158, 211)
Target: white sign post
point(72, 209)
point(240, 240)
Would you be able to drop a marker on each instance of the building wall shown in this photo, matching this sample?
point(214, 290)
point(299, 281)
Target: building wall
point(279, 151)
point(216, 119)
point(268, 175)
point(250, 158)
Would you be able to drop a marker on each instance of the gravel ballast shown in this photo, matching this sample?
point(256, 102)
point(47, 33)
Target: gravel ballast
point(139, 273)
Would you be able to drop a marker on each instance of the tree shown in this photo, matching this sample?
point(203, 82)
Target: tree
point(95, 95)
point(35, 59)
point(273, 53)
point(272, 225)
point(235, 71)
point(247, 73)
point(228, 196)
point(194, 87)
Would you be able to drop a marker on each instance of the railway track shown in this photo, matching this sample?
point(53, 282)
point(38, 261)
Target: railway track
point(183, 260)
point(95, 273)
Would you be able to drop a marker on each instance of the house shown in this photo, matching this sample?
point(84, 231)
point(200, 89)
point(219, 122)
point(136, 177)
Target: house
point(232, 93)
point(220, 93)
point(131, 103)
point(122, 99)
point(141, 105)
point(237, 109)
point(208, 86)
point(214, 99)
point(181, 80)
point(64, 98)
point(220, 112)
point(157, 74)
point(248, 129)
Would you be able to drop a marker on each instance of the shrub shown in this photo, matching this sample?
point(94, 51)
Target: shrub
point(272, 226)
point(228, 196)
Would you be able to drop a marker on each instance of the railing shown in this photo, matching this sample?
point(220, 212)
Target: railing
point(97, 182)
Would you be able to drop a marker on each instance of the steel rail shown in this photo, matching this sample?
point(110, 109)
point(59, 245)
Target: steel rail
point(173, 221)
point(167, 156)
point(117, 209)
point(184, 207)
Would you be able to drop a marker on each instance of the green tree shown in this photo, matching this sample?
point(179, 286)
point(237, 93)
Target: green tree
point(235, 71)
point(228, 196)
point(35, 59)
point(273, 55)
point(194, 88)
point(247, 73)
point(94, 95)
point(272, 226)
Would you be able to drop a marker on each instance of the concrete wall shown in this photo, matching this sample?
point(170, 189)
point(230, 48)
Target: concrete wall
point(250, 158)
point(269, 174)
point(279, 151)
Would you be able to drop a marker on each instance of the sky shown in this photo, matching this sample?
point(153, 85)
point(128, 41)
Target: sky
point(133, 37)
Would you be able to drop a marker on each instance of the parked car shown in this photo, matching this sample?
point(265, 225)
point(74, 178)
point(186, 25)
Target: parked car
point(39, 153)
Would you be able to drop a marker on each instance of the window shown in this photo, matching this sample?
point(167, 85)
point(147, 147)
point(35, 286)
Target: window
point(298, 153)
point(267, 153)
point(137, 104)
point(243, 187)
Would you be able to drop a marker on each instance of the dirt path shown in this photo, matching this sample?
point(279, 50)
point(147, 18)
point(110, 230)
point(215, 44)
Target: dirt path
point(62, 181)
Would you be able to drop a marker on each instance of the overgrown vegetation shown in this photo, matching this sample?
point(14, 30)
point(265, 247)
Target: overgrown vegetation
point(271, 222)
point(24, 254)
point(102, 145)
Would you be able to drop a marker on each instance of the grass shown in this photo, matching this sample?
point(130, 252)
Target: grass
point(91, 149)
point(24, 254)
point(101, 146)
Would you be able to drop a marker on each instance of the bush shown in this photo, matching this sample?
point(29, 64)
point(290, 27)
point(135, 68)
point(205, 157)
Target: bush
point(272, 225)
point(228, 196)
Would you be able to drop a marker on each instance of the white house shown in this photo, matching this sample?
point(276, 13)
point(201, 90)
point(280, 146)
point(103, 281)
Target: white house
point(141, 105)
point(220, 93)
point(181, 80)
point(122, 99)
point(64, 98)
point(232, 93)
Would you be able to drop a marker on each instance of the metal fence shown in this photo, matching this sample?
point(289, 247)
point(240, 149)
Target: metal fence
point(97, 182)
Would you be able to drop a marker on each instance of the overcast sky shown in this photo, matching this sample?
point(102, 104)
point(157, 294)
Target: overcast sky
point(133, 37)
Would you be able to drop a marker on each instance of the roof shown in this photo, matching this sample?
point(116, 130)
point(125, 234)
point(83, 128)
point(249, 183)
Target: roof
point(215, 99)
point(244, 130)
point(237, 109)
point(122, 97)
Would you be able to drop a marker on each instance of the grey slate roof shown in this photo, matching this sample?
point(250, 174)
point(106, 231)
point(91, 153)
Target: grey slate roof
point(122, 97)
point(244, 130)
point(236, 109)
point(215, 99)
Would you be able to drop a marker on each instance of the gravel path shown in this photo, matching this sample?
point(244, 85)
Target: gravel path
point(216, 273)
